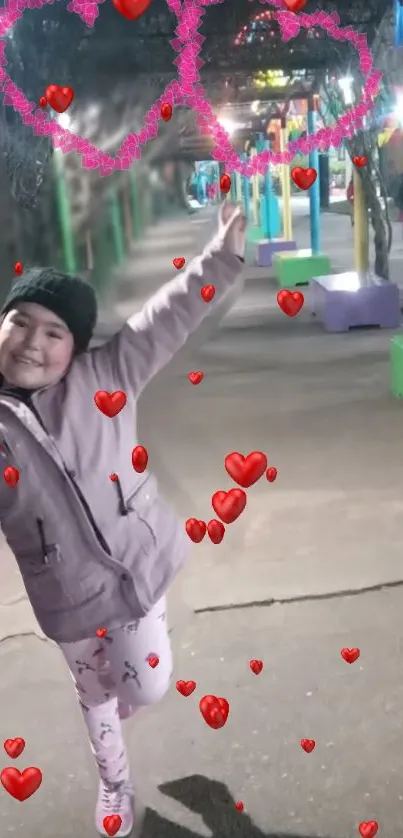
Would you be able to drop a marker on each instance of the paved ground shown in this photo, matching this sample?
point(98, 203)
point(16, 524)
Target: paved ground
point(319, 406)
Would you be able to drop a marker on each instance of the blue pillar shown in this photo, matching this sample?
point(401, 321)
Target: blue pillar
point(314, 192)
point(268, 188)
point(245, 189)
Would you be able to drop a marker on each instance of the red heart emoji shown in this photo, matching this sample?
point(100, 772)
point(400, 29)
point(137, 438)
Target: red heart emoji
point(139, 458)
point(101, 632)
point(360, 161)
point(214, 711)
point(290, 302)
point(295, 5)
point(350, 655)
point(131, 10)
point(11, 476)
point(308, 745)
point(153, 661)
point(216, 531)
point(229, 505)
point(59, 98)
point(18, 268)
point(271, 474)
point(225, 183)
point(114, 477)
point(14, 747)
point(166, 111)
point(112, 824)
point(196, 377)
point(110, 404)
point(179, 262)
point(195, 529)
point(239, 806)
point(256, 666)
point(368, 829)
point(21, 785)
point(245, 470)
point(303, 178)
point(207, 293)
point(186, 688)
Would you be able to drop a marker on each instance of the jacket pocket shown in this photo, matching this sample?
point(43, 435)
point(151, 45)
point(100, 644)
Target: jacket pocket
point(50, 590)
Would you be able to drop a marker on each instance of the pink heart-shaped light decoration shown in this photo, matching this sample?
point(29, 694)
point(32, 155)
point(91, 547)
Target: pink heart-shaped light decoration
point(187, 90)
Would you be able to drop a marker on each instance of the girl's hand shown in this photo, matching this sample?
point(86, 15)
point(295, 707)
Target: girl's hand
point(232, 225)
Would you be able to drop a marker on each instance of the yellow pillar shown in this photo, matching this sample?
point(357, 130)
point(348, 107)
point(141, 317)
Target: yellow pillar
point(361, 231)
point(255, 194)
point(286, 186)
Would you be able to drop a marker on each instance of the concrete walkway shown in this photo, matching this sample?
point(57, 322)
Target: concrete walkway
point(319, 407)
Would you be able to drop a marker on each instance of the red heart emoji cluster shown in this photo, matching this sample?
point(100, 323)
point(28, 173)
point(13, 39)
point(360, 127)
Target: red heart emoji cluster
point(229, 505)
point(19, 784)
point(59, 98)
point(110, 404)
point(214, 710)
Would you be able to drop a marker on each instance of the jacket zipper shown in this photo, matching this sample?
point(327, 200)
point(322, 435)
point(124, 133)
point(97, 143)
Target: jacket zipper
point(104, 544)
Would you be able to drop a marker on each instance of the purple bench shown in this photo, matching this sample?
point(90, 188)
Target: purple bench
point(342, 302)
point(267, 248)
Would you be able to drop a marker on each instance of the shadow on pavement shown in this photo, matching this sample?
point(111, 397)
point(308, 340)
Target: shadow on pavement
point(214, 802)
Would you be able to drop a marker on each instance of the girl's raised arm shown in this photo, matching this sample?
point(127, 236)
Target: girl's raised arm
point(154, 335)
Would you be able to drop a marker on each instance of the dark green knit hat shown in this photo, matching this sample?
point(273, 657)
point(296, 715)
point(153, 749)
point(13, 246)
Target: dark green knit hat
point(71, 298)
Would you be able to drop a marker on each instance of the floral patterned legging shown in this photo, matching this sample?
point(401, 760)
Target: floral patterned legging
point(113, 678)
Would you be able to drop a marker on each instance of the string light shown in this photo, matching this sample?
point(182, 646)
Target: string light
point(261, 26)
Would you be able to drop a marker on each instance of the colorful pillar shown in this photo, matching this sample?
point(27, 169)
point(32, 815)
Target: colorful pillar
point(255, 194)
point(314, 192)
point(63, 206)
point(116, 220)
point(286, 186)
point(361, 231)
point(267, 214)
point(246, 195)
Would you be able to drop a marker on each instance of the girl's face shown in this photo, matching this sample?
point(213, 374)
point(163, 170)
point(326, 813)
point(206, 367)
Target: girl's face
point(36, 347)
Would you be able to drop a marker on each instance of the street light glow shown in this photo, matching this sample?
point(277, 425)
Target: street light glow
point(229, 125)
point(346, 85)
point(64, 120)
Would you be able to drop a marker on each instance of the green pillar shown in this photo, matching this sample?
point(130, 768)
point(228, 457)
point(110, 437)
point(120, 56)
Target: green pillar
point(63, 206)
point(136, 215)
point(117, 228)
